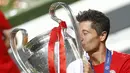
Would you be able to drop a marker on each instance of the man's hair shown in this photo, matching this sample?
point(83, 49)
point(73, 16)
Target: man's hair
point(100, 22)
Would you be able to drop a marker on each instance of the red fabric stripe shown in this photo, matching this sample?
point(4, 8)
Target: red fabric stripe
point(53, 39)
point(62, 49)
point(55, 34)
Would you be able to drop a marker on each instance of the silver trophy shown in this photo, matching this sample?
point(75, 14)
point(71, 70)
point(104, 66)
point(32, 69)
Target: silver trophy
point(36, 50)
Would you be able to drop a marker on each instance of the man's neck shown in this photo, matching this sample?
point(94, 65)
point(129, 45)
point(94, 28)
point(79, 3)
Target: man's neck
point(98, 56)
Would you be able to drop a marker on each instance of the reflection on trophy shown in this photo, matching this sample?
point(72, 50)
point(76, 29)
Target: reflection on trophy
point(50, 52)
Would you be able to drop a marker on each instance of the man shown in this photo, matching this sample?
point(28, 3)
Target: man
point(7, 65)
point(94, 27)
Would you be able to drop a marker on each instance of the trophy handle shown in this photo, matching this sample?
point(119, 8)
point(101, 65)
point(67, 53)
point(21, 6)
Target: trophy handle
point(15, 49)
point(75, 26)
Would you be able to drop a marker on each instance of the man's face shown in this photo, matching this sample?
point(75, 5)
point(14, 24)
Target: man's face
point(89, 38)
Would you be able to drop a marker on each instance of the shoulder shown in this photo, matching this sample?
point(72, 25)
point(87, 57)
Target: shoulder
point(120, 55)
point(75, 66)
point(125, 58)
point(121, 62)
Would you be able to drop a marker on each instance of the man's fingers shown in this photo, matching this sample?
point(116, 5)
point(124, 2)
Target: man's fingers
point(87, 66)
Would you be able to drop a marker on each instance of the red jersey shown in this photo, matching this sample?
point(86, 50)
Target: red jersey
point(7, 65)
point(120, 63)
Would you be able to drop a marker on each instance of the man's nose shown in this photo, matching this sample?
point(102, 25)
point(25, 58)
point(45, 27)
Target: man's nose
point(81, 37)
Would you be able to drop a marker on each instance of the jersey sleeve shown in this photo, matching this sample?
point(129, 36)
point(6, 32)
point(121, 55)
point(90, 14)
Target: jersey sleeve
point(126, 67)
point(4, 24)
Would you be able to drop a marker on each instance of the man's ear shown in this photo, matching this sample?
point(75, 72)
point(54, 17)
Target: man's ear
point(103, 36)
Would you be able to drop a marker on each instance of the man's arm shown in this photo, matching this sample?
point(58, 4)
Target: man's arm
point(4, 29)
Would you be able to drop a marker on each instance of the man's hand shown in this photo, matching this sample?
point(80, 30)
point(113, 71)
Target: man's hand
point(87, 66)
